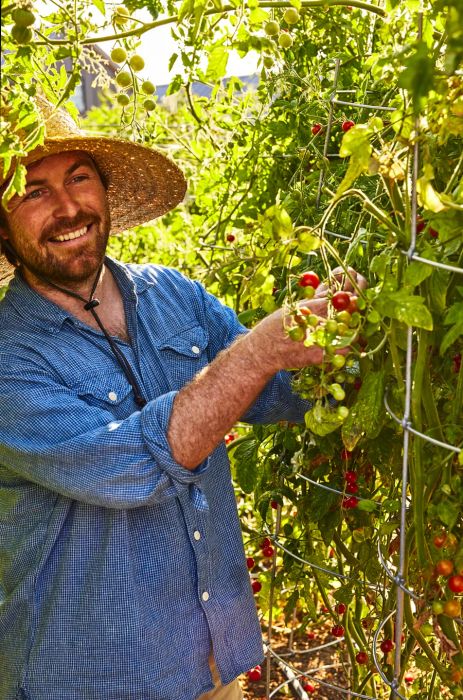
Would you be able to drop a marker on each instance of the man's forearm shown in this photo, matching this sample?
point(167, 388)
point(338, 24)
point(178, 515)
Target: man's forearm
point(207, 408)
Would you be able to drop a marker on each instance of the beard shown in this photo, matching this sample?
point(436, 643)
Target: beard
point(47, 263)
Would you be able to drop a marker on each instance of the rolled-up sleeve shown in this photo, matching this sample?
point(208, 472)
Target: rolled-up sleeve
point(52, 437)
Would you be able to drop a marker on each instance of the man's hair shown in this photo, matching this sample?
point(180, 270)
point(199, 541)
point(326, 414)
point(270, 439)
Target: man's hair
point(5, 247)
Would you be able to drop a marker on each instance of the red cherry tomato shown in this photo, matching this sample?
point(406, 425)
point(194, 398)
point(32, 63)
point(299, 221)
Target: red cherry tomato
point(350, 476)
point(341, 608)
point(316, 128)
point(387, 645)
point(255, 674)
point(309, 688)
point(340, 300)
point(256, 586)
point(347, 124)
point(362, 657)
point(452, 608)
point(309, 279)
point(444, 567)
point(337, 631)
point(455, 583)
point(440, 540)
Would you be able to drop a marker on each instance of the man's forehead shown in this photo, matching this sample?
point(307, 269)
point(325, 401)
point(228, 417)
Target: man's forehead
point(63, 159)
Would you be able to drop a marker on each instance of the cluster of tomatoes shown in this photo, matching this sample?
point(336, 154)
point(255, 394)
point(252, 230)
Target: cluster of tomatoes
point(339, 329)
point(346, 125)
point(282, 36)
point(23, 19)
point(266, 551)
point(445, 568)
point(132, 64)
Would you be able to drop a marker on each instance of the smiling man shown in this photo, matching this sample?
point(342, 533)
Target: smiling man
point(122, 569)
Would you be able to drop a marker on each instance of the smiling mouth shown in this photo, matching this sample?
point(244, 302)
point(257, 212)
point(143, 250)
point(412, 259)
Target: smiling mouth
point(71, 235)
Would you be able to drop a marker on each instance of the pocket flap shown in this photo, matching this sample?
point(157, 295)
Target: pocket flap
point(190, 342)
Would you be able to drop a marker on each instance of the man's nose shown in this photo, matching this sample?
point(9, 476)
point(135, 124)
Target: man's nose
point(64, 203)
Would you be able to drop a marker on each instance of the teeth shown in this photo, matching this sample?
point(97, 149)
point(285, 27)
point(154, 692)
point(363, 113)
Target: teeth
point(71, 235)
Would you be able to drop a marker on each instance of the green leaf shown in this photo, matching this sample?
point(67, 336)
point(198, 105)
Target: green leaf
point(418, 75)
point(100, 5)
point(405, 307)
point(17, 184)
point(322, 420)
point(244, 459)
point(307, 241)
point(448, 513)
point(416, 273)
point(452, 335)
point(367, 415)
point(355, 143)
point(172, 61)
point(217, 65)
point(427, 195)
point(186, 9)
point(366, 505)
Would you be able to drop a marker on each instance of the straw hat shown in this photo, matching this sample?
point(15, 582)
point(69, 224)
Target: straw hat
point(142, 183)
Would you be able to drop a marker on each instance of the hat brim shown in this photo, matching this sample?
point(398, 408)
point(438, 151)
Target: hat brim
point(142, 183)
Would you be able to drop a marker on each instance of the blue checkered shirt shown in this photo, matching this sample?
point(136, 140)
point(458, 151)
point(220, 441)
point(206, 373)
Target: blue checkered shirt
point(119, 569)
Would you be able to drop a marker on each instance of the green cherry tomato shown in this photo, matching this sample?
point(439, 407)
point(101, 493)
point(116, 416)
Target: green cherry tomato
point(338, 361)
point(272, 28)
point(438, 607)
point(343, 316)
point(124, 79)
point(121, 15)
point(313, 320)
point(21, 35)
point(291, 15)
point(343, 329)
point(340, 377)
point(268, 61)
point(136, 62)
point(123, 99)
point(296, 333)
point(337, 392)
point(22, 17)
point(285, 40)
point(118, 55)
point(147, 87)
point(331, 326)
point(149, 105)
point(342, 412)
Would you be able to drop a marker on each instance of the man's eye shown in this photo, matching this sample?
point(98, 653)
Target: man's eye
point(79, 178)
point(35, 194)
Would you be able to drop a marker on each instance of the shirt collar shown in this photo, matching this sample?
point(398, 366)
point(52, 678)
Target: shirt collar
point(39, 310)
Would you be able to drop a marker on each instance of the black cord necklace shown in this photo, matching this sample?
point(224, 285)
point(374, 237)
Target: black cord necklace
point(91, 304)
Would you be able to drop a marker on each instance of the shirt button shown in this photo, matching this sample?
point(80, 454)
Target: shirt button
point(112, 396)
point(197, 535)
point(205, 596)
point(195, 349)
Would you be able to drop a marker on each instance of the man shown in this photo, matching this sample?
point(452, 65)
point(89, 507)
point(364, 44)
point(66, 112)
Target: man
point(122, 570)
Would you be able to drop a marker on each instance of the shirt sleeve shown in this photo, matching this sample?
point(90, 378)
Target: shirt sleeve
point(53, 438)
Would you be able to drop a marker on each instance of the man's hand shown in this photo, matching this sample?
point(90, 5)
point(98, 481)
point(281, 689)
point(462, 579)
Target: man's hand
point(346, 279)
point(272, 347)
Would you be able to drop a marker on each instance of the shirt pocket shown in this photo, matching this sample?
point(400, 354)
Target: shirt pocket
point(183, 355)
point(109, 391)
